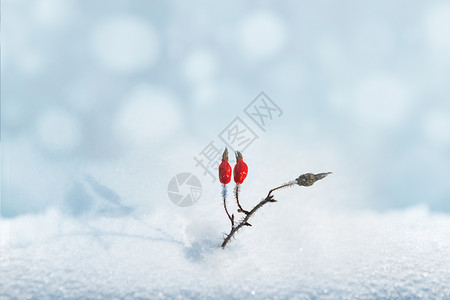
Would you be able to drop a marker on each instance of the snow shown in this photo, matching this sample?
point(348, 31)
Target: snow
point(103, 103)
point(295, 249)
point(116, 234)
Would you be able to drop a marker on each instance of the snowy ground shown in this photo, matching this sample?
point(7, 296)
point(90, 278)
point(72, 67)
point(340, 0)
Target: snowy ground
point(296, 249)
point(114, 233)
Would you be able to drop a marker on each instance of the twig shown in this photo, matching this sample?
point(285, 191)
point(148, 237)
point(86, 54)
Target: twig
point(236, 193)
point(303, 180)
point(224, 194)
point(244, 222)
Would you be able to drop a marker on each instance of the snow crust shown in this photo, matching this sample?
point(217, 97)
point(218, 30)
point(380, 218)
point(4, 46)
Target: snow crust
point(295, 249)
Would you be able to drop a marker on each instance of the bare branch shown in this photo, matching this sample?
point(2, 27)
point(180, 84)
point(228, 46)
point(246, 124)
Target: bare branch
point(303, 180)
point(236, 194)
point(224, 195)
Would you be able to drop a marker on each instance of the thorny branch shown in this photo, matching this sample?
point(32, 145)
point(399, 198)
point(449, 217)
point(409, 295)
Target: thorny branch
point(303, 180)
point(224, 194)
point(236, 193)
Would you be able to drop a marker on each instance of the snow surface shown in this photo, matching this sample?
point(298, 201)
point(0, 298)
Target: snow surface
point(294, 250)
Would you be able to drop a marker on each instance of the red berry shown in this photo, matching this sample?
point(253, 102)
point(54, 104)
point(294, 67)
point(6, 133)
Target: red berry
point(225, 169)
point(224, 172)
point(240, 169)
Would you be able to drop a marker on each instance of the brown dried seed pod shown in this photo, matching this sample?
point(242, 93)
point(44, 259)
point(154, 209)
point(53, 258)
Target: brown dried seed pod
point(309, 178)
point(306, 179)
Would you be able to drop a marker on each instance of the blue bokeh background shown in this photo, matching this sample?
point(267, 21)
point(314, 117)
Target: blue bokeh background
point(109, 99)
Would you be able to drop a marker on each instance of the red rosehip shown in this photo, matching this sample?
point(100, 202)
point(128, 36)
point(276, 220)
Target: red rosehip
point(225, 169)
point(240, 169)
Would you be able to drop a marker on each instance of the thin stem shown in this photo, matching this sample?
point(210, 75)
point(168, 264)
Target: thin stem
point(280, 187)
point(303, 180)
point(224, 194)
point(244, 222)
point(236, 193)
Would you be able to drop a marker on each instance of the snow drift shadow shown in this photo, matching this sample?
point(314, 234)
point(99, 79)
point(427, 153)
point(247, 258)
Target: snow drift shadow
point(197, 251)
point(88, 196)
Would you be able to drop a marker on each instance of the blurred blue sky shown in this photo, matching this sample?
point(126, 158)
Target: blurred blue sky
point(88, 84)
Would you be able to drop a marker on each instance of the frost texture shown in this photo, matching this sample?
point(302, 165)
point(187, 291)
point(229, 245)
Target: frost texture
point(303, 254)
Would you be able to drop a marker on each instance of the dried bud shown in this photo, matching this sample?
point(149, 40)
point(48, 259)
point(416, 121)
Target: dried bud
point(322, 175)
point(225, 154)
point(238, 156)
point(309, 178)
